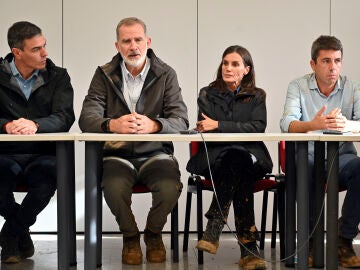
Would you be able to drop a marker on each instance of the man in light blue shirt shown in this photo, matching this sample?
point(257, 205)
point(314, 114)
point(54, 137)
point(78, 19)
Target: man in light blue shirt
point(324, 100)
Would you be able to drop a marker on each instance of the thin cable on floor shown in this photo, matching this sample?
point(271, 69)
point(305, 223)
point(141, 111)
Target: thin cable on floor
point(232, 231)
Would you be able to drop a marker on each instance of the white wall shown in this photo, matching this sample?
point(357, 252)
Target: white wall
point(190, 36)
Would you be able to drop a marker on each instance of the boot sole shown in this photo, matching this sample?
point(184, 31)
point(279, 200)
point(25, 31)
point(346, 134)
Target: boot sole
point(207, 246)
point(11, 259)
point(347, 265)
point(133, 261)
point(246, 265)
point(155, 258)
point(254, 267)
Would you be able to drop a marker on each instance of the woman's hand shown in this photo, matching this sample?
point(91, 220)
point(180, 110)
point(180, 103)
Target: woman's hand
point(206, 124)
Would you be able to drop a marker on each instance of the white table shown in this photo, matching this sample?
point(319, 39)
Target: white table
point(93, 141)
point(65, 191)
point(93, 161)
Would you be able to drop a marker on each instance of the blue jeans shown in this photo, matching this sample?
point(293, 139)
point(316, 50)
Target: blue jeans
point(38, 173)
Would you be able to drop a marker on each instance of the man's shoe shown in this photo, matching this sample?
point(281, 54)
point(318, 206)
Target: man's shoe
point(9, 248)
point(155, 249)
point(26, 246)
point(346, 253)
point(250, 257)
point(131, 253)
point(210, 240)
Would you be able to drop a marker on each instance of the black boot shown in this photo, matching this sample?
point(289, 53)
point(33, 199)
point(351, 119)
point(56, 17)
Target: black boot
point(26, 246)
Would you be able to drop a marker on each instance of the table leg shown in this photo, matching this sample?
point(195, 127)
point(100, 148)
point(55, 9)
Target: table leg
point(290, 198)
point(93, 159)
point(302, 188)
point(318, 237)
point(332, 205)
point(65, 203)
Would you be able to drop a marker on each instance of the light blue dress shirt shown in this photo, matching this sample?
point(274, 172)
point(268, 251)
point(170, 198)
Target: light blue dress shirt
point(26, 86)
point(304, 100)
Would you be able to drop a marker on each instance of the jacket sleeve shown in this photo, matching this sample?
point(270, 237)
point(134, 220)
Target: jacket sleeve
point(175, 116)
point(94, 105)
point(62, 114)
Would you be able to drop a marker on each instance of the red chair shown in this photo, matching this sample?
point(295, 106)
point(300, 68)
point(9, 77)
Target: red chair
point(174, 238)
point(197, 184)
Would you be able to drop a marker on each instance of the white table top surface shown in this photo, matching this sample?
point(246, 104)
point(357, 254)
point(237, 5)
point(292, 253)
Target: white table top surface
point(65, 136)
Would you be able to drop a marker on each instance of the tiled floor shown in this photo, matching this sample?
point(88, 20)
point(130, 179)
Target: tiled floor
point(45, 257)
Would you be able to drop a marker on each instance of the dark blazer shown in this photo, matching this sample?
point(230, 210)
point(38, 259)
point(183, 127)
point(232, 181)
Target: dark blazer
point(245, 114)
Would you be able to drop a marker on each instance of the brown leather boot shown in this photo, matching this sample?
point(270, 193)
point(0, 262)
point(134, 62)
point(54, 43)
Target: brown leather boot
point(250, 257)
point(131, 253)
point(155, 249)
point(210, 240)
point(346, 253)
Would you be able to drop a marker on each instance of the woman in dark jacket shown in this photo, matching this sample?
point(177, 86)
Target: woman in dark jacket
point(233, 104)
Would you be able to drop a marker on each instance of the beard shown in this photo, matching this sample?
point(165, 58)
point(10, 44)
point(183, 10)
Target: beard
point(136, 62)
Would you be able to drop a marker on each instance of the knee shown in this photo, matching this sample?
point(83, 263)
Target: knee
point(43, 191)
point(350, 175)
point(169, 191)
point(9, 170)
point(44, 166)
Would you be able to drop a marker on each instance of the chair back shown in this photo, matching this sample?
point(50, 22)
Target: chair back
point(194, 148)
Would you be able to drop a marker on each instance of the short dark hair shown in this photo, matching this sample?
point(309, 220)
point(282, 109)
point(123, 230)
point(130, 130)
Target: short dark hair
point(20, 31)
point(325, 43)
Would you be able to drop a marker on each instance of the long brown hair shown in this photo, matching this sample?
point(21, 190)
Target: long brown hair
point(248, 81)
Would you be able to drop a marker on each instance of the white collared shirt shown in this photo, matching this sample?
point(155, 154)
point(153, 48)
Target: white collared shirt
point(132, 86)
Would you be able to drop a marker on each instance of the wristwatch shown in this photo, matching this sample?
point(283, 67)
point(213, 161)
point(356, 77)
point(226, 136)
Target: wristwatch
point(105, 126)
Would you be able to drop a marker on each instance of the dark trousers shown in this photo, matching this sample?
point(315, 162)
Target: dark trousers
point(38, 173)
point(349, 177)
point(234, 176)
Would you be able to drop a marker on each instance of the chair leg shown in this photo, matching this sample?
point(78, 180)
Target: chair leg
point(200, 222)
point(175, 233)
point(187, 221)
point(274, 221)
point(263, 219)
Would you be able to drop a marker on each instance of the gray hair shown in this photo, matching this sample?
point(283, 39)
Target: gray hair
point(129, 21)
